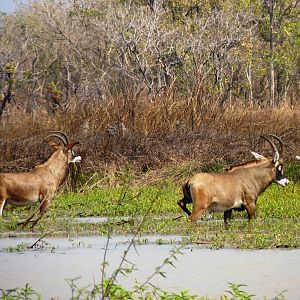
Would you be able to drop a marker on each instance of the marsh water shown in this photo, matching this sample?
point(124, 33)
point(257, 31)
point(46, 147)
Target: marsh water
point(200, 270)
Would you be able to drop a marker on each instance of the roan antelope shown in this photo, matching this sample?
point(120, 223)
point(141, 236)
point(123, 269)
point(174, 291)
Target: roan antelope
point(41, 182)
point(237, 189)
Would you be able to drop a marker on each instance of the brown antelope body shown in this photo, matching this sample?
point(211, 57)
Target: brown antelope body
point(40, 183)
point(237, 189)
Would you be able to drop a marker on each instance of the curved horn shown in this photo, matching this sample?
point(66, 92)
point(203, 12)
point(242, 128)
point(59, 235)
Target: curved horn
point(59, 135)
point(276, 153)
point(280, 142)
point(62, 134)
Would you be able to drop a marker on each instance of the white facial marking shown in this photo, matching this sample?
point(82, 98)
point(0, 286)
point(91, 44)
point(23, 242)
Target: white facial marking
point(76, 159)
point(298, 157)
point(283, 182)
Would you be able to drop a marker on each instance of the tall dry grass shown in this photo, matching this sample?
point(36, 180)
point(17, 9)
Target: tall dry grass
point(148, 134)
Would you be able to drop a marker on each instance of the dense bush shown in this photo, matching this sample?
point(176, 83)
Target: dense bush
point(149, 82)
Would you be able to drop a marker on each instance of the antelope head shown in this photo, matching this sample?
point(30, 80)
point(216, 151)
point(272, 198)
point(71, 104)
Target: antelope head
point(66, 148)
point(276, 161)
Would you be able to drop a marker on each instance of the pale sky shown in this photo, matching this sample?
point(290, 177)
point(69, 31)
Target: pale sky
point(8, 6)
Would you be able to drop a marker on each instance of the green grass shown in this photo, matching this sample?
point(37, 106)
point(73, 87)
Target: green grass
point(278, 202)
point(119, 201)
point(277, 225)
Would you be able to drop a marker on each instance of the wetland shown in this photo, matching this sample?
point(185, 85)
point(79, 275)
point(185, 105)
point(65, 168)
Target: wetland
point(83, 231)
point(50, 265)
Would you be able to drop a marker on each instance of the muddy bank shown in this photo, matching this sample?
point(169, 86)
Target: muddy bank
point(202, 271)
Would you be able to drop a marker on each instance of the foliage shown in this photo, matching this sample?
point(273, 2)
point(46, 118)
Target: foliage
point(117, 291)
point(237, 293)
point(18, 248)
point(26, 293)
point(212, 52)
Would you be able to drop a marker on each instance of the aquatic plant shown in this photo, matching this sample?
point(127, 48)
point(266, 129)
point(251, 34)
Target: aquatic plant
point(26, 293)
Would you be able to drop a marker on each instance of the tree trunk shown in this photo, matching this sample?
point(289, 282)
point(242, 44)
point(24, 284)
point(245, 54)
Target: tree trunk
point(272, 72)
point(6, 99)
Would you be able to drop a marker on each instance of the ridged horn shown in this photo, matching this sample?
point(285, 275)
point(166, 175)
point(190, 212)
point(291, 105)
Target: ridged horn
point(60, 135)
point(276, 153)
point(280, 142)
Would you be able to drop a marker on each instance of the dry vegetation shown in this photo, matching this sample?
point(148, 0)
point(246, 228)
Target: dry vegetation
point(148, 84)
point(150, 136)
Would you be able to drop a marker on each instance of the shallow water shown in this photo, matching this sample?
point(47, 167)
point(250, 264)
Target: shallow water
point(202, 271)
point(94, 220)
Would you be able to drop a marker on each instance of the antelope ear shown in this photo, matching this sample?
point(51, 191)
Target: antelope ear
point(52, 144)
point(71, 145)
point(257, 156)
